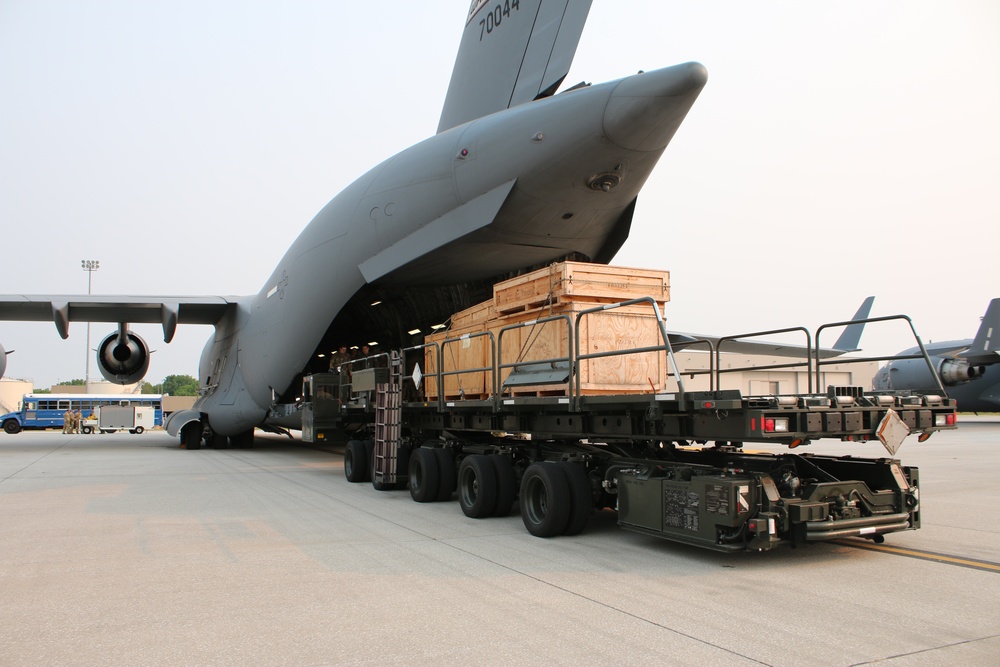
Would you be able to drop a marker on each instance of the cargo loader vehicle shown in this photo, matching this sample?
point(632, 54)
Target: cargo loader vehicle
point(541, 434)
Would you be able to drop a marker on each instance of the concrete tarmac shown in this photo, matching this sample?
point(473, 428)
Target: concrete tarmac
point(126, 550)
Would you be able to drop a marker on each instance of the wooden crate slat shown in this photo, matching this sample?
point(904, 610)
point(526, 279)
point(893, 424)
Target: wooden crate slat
point(623, 328)
point(577, 281)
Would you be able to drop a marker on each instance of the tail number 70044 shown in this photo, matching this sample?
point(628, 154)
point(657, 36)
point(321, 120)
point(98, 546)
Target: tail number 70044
point(492, 20)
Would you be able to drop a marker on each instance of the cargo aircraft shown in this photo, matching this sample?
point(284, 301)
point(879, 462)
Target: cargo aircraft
point(516, 177)
point(969, 369)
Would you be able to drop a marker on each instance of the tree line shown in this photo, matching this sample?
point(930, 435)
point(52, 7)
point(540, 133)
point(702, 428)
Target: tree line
point(175, 385)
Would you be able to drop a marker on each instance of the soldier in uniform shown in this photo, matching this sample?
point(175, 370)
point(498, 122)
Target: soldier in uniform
point(339, 358)
point(364, 352)
point(337, 365)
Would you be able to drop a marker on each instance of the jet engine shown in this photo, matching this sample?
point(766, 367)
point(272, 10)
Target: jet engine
point(3, 360)
point(123, 357)
point(913, 373)
point(958, 371)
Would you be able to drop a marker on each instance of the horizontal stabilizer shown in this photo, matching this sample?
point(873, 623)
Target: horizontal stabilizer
point(680, 341)
point(985, 348)
point(512, 52)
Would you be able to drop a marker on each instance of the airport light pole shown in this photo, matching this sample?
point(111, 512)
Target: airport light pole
point(88, 265)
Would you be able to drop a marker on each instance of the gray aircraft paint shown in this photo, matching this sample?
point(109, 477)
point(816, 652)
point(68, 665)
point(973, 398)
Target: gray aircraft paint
point(543, 44)
point(848, 341)
point(968, 368)
point(492, 194)
point(507, 190)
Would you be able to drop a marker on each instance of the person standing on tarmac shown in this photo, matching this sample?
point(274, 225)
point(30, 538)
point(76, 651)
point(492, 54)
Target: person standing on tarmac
point(67, 422)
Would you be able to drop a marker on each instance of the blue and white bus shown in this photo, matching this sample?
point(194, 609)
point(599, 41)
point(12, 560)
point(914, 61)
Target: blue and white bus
point(39, 411)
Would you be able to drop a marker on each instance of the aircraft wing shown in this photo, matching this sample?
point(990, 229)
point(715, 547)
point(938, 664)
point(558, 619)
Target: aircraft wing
point(680, 341)
point(512, 53)
point(166, 310)
point(847, 342)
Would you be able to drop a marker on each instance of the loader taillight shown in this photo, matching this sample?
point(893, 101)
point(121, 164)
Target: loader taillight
point(944, 420)
point(773, 425)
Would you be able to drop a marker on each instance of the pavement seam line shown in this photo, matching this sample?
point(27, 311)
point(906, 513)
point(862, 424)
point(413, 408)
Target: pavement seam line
point(925, 650)
point(602, 604)
point(18, 472)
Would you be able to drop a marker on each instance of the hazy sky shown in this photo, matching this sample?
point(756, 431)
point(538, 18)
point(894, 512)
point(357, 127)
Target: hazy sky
point(839, 150)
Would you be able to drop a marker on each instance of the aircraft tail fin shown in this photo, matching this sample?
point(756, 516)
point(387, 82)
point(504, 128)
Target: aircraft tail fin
point(850, 339)
point(512, 52)
point(985, 348)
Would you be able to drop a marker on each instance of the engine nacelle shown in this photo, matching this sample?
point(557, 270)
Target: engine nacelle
point(958, 371)
point(913, 373)
point(123, 357)
point(3, 361)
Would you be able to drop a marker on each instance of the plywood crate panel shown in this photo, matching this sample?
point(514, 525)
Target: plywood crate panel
point(478, 314)
point(473, 352)
point(619, 329)
point(579, 282)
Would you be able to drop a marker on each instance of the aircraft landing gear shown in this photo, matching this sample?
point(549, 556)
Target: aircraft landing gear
point(191, 435)
point(242, 440)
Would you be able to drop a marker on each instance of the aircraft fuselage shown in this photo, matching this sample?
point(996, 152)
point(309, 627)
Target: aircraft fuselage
point(517, 188)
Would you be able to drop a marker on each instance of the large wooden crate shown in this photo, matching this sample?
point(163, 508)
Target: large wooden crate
point(579, 282)
point(462, 353)
point(570, 288)
point(617, 330)
point(478, 314)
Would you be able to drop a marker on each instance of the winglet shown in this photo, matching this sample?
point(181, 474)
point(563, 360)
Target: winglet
point(511, 53)
point(850, 340)
point(985, 348)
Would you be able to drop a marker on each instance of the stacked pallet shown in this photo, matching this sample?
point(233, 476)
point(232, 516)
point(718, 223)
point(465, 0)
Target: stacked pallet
point(564, 288)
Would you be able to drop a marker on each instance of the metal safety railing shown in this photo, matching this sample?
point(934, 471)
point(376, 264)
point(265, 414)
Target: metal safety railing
point(497, 363)
point(920, 345)
point(449, 343)
point(757, 334)
point(521, 364)
point(492, 386)
point(661, 328)
point(813, 353)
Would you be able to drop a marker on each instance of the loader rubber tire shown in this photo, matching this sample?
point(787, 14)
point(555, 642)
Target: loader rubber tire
point(581, 498)
point(477, 486)
point(424, 475)
point(449, 475)
point(545, 499)
point(506, 484)
point(355, 461)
